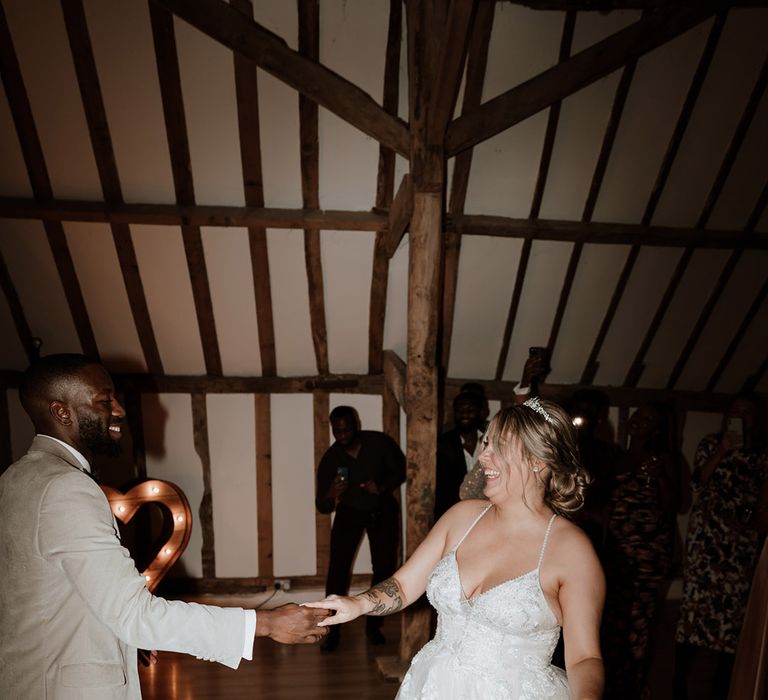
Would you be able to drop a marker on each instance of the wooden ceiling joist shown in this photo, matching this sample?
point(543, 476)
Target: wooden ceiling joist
point(32, 152)
point(477, 60)
point(584, 68)
point(385, 189)
point(399, 216)
point(247, 94)
point(101, 141)
point(270, 52)
point(17, 311)
point(164, 38)
point(309, 47)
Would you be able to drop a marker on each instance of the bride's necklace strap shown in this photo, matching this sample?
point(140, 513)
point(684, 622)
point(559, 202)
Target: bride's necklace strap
point(474, 522)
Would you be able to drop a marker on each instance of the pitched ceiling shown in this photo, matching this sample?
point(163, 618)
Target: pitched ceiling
point(624, 227)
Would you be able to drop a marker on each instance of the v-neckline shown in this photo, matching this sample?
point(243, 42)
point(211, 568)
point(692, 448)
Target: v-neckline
point(471, 599)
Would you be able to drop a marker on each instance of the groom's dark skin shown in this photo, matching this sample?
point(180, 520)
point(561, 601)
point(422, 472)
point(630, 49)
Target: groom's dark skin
point(84, 412)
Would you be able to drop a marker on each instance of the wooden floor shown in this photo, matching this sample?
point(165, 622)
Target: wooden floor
point(280, 672)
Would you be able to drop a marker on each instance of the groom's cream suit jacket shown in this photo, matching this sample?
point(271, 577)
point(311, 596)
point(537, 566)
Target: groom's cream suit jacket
point(73, 608)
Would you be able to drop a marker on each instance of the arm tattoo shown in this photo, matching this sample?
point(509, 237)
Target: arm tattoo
point(385, 596)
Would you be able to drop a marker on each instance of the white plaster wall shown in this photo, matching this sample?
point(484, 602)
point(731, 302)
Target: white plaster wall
point(232, 446)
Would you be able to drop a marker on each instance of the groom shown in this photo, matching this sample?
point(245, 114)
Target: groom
point(73, 607)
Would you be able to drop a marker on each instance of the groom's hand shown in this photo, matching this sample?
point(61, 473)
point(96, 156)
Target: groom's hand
point(291, 624)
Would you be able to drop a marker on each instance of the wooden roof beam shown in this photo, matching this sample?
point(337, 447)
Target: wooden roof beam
point(17, 311)
point(101, 141)
point(247, 91)
point(399, 216)
point(562, 80)
point(608, 5)
point(320, 84)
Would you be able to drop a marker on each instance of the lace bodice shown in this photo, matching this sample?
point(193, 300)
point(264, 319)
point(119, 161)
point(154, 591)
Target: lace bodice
point(499, 642)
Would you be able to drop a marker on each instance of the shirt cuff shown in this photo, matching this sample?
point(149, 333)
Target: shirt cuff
point(250, 633)
point(522, 390)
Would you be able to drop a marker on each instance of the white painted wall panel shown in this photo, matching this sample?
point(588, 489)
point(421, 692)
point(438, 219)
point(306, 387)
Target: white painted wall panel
point(538, 302)
point(232, 446)
point(369, 409)
point(230, 276)
point(290, 303)
point(293, 485)
point(101, 281)
point(598, 271)
point(353, 41)
point(486, 279)
point(210, 106)
point(347, 258)
point(724, 95)
point(13, 175)
point(726, 317)
point(657, 93)
point(170, 451)
point(396, 318)
point(121, 36)
point(165, 275)
point(32, 269)
point(638, 305)
point(682, 315)
point(56, 105)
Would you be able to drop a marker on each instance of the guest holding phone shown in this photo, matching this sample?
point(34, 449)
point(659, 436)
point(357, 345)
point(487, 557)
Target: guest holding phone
point(356, 478)
point(724, 535)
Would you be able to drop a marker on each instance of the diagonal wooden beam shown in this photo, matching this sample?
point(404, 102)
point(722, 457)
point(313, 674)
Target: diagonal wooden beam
point(385, 187)
point(477, 60)
point(17, 311)
point(101, 141)
point(584, 68)
point(164, 38)
point(399, 216)
point(32, 152)
point(227, 26)
point(566, 41)
point(247, 91)
point(309, 47)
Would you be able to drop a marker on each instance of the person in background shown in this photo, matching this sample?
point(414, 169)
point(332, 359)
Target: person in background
point(730, 471)
point(356, 478)
point(73, 607)
point(457, 450)
point(638, 554)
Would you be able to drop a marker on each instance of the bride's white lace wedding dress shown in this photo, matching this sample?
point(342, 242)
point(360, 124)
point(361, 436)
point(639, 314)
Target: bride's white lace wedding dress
point(494, 646)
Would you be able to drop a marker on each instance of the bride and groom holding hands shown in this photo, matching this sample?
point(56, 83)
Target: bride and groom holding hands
point(505, 574)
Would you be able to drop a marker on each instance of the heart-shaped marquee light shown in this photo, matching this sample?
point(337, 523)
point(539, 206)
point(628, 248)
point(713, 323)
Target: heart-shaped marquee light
point(125, 506)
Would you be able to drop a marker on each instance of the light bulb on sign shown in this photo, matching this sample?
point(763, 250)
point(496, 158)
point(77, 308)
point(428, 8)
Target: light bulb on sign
point(155, 489)
point(179, 518)
point(121, 509)
point(167, 550)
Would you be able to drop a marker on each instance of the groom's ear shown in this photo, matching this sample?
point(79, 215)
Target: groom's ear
point(60, 412)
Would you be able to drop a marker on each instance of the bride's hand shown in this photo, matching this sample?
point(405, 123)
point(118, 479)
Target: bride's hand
point(346, 608)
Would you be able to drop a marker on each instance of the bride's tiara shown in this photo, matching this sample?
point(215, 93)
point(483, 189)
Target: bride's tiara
point(535, 405)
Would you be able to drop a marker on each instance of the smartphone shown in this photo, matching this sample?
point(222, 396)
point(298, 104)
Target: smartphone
point(343, 473)
point(735, 424)
point(537, 351)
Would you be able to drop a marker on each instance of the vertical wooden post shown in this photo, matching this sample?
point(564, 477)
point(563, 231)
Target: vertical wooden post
point(200, 431)
point(321, 409)
point(264, 484)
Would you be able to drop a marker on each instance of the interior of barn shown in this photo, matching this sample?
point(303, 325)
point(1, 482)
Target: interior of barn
point(254, 212)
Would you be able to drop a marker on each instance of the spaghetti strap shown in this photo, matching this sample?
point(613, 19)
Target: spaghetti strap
point(546, 539)
point(469, 529)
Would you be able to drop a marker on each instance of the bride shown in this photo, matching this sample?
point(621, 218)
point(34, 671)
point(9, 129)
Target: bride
point(504, 576)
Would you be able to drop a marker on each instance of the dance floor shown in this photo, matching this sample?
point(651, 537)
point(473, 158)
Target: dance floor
point(280, 672)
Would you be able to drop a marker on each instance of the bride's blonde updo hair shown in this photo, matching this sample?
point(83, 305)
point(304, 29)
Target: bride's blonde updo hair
point(545, 436)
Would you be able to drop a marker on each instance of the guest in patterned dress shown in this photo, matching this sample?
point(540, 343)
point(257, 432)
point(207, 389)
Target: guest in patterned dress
point(638, 553)
point(730, 469)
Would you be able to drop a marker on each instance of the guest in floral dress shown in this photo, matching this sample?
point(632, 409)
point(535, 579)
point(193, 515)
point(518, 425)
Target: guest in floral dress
point(723, 540)
point(643, 503)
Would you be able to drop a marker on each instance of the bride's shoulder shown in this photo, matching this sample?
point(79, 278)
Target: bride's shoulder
point(570, 542)
point(463, 514)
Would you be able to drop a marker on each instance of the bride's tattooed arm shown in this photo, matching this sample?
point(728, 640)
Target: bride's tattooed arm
point(387, 598)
